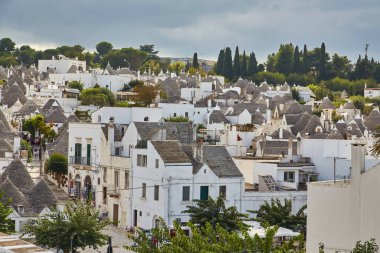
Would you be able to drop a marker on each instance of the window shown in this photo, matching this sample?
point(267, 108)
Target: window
point(143, 192)
point(142, 160)
point(204, 193)
point(118, 151)
point(88, 161)
point(98, 180)
point(78, 153)
point(104, 175)
point(175, 115)
point(156, 192)
point(146, 119)
point(126, 180)
point(157, 163)
point(99, 118)
point(289, 176)
point(186, 114)
point(222, 191)
point(185, 193)
point(116, 180)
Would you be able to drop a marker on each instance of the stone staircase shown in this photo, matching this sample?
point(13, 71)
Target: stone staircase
point(61, 195)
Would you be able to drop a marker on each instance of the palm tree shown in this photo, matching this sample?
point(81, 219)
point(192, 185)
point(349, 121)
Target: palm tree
point(215, 212)
point(276, 213)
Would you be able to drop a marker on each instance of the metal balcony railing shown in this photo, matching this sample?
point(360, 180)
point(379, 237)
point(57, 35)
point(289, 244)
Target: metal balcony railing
point(81, 160)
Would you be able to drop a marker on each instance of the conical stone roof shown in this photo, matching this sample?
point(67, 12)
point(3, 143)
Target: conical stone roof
point(17, 173)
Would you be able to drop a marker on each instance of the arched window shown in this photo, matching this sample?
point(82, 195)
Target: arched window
point(146, 119)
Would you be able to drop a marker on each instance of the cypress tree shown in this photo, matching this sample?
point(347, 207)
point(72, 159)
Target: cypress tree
point(305, 60)
point(322, 63)
point(219, 63)
point(252, 65)
point(243, 70)
point(297, 68)
point(195, 61)
point(227, 64)
point(236, 67)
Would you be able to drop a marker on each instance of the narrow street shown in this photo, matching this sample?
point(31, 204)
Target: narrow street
point(119, 239)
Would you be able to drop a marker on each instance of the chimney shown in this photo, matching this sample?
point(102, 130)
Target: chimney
point(357, 161)
point(298, 145)
point(16, 144)
point(209, 103)
point(111, 134)
point(290, 147)
point(268, 116)
point(281, 134)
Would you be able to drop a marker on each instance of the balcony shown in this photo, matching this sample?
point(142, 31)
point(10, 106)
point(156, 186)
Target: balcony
point(77, 160)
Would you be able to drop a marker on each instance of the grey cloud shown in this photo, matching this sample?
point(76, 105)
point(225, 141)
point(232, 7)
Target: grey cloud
point(178, 28)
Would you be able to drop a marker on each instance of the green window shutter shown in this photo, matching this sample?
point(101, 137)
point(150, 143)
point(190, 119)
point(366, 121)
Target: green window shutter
point(204, 193)
point(88, 154)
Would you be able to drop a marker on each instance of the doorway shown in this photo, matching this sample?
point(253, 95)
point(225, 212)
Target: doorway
point(115, 214)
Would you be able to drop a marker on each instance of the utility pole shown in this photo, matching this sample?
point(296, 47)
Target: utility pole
point(366, 49)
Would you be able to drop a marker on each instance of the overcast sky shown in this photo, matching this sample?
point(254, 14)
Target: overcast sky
point(179, 28)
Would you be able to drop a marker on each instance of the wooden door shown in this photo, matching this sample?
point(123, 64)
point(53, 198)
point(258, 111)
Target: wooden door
point(115, 214)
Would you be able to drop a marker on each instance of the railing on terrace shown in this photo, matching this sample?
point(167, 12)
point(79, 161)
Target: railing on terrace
point(81, 160)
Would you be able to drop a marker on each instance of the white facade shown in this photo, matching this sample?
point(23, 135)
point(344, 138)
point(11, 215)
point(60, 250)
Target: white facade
point(60, 65)
point(347, 209)
point(127, 115)
point(371, 92)
point(323, 153)
point(112, 82)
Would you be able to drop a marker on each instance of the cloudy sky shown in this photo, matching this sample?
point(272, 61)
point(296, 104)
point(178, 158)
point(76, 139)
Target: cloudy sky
point(181, 27)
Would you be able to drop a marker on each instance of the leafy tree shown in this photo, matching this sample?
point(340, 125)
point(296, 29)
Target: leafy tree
point(320, 91)
point(219, 63)
point(26, 55)
point(195, 61)
point(6, 224)
point(300, 79)
point(57, 163)
point(270, 77)
point(227, 64)
point(8, 60)
point(125, 57)
point(270, 64)
point(215, 212)
point(276, 213)
point(236, 66)
point(296, 94)
point(7, 45)
point(322, 63)
point(211, 240)
point(76, 85)
point(244, 69)
point(97, 96)
point(177, 67)
point(366, 247)
point(26, 145)
point(37, 124)
point(335, 117)
point(284, 59)
point(297, 67)
point(376, 73)
point(72, 51)
point(252, 65)
point(78, 223)
point(145, 94)
point(341, 66)
point(132, 84)
point(149, 49)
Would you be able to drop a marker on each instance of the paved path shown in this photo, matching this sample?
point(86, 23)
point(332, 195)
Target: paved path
point(119, 239)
